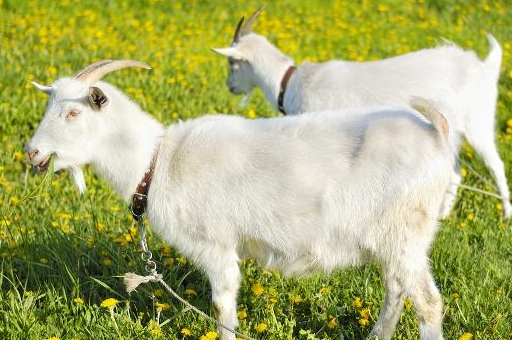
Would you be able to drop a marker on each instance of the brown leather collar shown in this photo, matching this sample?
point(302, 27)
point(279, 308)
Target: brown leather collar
point(282, 89)
point(140, 197)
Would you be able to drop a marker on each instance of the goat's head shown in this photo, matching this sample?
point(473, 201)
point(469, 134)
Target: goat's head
point(72, 124)
point(239, 55)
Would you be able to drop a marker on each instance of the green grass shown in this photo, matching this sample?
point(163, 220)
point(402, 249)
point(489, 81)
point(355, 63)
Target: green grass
point(59, 251)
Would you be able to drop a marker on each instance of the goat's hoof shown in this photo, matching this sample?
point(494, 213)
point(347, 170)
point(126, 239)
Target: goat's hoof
point(507, 211)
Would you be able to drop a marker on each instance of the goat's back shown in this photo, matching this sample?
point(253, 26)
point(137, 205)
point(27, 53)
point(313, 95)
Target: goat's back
point(446, 74)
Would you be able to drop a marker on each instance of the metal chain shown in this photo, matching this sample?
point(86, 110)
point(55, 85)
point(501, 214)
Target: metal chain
point(146, 255)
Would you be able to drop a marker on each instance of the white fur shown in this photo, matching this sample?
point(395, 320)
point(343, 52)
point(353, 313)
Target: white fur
point(306, 193)
point(465, 85)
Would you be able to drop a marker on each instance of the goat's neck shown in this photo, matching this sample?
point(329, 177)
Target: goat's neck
point(126, 151)
point(269, 72)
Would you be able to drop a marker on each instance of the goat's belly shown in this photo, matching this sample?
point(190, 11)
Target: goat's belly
point(303, 260)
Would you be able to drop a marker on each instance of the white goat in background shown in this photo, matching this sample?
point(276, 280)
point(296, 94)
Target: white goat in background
point(301, 194)
point(465, 85)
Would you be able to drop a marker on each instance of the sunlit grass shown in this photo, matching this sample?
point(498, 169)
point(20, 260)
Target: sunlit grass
point(59, 251)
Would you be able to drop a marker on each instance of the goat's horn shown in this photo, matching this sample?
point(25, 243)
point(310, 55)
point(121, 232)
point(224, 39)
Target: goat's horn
point(236, 38)
point(96, 71)
point(248, 25)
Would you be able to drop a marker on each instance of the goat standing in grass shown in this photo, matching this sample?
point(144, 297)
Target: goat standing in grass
point(313, 192)
point(465, 85)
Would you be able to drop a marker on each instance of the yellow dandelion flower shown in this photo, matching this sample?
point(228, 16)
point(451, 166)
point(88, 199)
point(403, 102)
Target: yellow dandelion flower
point(209, 336)
point(499, 207)
point(78, 301)
point(466, 336)
point(18, 155)
point(463, 225)
point(365, 313)
point(325, 290)
point(510, 74)
point(407, 304)
point(454, 296)
point(470, 217)
point(65, 228)
point(242, 314)
point(43, 260)
point(154, 328)
point(109, 303)
point(364, 322)
point(162, 306)
point(190, 292)
point(115, 208)
point(296, 299)
point(463, 172)
point(509, 122)
point(261, 327)
point(357, 303)
point(159, 292)
point(257, 289)
point(53, 338)
point(251, 113)
point(332, 322)
point(186, 332)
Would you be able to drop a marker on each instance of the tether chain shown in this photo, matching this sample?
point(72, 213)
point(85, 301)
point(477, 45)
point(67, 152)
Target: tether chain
point(132, 280)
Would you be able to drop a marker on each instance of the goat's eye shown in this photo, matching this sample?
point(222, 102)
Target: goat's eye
point(72, 114)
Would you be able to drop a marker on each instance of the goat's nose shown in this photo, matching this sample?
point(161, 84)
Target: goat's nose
point(31, 152)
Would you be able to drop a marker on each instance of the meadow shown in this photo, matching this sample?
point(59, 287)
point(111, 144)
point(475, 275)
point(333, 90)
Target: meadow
point(60, 251)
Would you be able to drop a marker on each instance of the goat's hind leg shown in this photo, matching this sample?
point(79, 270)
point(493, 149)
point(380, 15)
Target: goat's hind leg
point(487, 150)
point(480, 135)
point(420, 286)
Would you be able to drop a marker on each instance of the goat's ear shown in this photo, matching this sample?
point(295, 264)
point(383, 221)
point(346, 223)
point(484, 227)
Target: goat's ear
point(230, 52)
point(97, 98)
point(45, 89)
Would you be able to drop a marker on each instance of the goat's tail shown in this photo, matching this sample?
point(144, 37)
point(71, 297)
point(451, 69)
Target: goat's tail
point(429, 111)
point(493, 61)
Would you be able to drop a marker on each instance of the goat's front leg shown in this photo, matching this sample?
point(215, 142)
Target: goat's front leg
point(224, 276)
point(391, 308)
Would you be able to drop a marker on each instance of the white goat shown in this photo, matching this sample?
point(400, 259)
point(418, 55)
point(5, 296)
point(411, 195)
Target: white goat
point(303, 193)
point(466, 86)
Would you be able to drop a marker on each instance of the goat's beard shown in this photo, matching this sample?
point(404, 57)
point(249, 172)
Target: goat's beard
point(78, 177)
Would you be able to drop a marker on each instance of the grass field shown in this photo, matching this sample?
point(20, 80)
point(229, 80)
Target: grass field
point(59, 251)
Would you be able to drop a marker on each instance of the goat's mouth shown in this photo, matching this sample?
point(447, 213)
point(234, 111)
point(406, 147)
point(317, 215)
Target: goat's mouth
point(43, 165)
point(234, 90)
